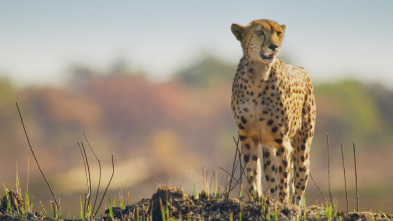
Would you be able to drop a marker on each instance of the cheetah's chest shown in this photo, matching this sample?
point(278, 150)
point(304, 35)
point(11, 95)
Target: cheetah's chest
point(259, 107)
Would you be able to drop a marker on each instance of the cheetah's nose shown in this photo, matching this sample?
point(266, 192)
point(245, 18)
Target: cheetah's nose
point(273, 47)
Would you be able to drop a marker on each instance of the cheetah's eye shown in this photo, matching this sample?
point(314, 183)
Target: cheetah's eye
point(279, 33)
point(260, 33)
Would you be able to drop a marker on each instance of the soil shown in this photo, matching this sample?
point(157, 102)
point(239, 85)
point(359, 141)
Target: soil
point(174, 203)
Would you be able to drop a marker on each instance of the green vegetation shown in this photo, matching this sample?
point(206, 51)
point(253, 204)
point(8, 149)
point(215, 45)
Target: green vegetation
point(350, 112)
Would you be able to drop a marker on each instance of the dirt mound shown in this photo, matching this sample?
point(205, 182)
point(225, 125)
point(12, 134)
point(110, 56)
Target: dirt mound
point(11, 208)
point(170, 202)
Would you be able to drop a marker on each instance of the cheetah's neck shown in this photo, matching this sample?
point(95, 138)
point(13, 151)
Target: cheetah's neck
point(260, 70)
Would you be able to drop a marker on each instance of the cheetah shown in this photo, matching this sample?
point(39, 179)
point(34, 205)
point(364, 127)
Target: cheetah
point(273, 105)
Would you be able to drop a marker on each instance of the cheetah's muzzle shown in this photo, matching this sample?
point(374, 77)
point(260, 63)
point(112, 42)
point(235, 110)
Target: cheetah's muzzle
point(267, 57)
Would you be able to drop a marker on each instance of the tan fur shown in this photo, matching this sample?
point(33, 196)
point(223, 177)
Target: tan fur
point(273, 105)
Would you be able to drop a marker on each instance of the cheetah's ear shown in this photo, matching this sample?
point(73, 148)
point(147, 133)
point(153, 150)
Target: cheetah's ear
point(237, 30)
point(283, 27)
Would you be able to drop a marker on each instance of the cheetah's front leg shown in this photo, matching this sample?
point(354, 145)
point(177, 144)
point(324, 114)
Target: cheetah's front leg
point(249, 144)
point(283, 162)
point(269, 168)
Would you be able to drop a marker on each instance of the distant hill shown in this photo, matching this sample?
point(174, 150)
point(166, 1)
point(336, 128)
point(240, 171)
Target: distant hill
point(208, 71)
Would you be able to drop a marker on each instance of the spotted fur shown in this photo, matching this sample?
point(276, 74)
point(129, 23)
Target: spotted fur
point(273, 105)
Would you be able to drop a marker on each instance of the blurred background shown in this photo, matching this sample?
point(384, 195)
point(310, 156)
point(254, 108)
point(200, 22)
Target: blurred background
point(150, 83)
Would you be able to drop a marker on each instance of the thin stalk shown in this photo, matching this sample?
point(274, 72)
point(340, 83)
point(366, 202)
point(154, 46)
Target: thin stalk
point(106, 190)
point(328, 146)
point(99, 165)
point(345, 178)
point(233, 166)
point(86, 175)
point(318, 188)
point(35, 158)
point(89, 180)
point(356, 177)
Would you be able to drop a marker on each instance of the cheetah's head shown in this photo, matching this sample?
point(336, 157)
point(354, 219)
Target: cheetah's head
point(261, 39)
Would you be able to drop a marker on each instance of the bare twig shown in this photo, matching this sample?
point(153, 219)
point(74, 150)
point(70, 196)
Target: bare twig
point(318, 188)
point(345, 178)
point(88, 170)
point(328, 146)
point(107, 187)
point(35, 158)
point(87, 174)
point(233, 166)
point(99, 178)
point(242, 169)
point(237, 181)
point(356, 177)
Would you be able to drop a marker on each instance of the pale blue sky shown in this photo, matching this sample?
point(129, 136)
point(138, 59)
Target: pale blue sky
point(40, 39)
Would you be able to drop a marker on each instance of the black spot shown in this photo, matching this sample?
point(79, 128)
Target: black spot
point(303, 187)
point(303, 147)
point(255, 140)
point(285, 174)
point(282, 181)
point(280, 169)
point(279, 141)
point(285, 163)
point(299, 198)
point(245, 109)
point(261, 119)
point(273, 168)
point(241, 127)
point(242, 137)
point(266, 154)
point(246, 158)
point(271, 190)
point(272, 180)
point(268, 163)
point(267, 177)
point(251, 70)
point(254, 158)
point(302, 158)
point(248, 146)
point(270, 122)
point(274, 129)
point(244, 121)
